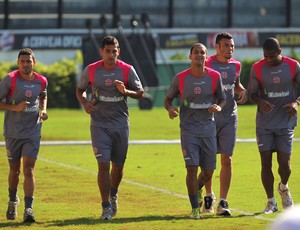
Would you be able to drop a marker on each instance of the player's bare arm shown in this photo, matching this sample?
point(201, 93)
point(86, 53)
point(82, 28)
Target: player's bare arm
point(173, 111)
point(217, 107)
point(17, 108)
point(263, 105)
point(242, 92)
point(291, 108)
point(137, 94)
point(43, 107)
point(87, 105)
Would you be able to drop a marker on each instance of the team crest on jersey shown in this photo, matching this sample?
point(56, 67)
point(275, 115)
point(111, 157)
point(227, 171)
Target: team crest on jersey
point(197, 90)
point(28, 93)
point(224, 75)
point(108, 82)
point(276, 80)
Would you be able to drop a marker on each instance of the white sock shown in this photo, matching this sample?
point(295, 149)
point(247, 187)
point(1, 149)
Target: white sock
point(222, 199)
point(283, 187)
point(210, 194)
point(272, 199)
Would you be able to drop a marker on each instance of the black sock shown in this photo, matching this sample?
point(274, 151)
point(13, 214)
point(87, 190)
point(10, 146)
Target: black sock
point(12, 195)
point(194, 201)
point(28, 201)
point(105, 204)
point(113, 191)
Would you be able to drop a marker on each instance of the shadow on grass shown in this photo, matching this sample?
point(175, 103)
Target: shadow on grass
point(93, 221)
point(116, 221)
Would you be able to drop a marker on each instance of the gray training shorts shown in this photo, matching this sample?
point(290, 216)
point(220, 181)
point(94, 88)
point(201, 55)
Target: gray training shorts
point(226, 138)
point(17, 148)
point(276, 140)
point(110, 144)
point(199, 151)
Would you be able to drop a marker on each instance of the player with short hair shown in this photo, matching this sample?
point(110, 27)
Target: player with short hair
point(227, 119)
point(198, 88)
point(23, 96)
point(274, 86)
point(111, 82)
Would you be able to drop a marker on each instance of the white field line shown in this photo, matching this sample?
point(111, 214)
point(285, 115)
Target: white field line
point(145, 186)
point(136, 142)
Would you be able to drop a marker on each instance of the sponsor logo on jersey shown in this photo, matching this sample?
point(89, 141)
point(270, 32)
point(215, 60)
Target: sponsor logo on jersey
point(31, 109)
point(278, 94)
point(111, 99)
point(200, 106)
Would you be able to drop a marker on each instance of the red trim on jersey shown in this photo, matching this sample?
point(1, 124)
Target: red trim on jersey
point(293, 65)
point(125, 69)
point(42, 79)
point(181, 77)
point(13, 78)
point(258, 67)
point(16, 73)
point(215, 76)
point(237, 64)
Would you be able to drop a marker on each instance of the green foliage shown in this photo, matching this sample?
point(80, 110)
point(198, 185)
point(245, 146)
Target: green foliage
point(179, 56)
point(61, 80)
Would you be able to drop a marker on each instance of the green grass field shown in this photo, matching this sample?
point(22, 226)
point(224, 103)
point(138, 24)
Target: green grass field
point(153, 193)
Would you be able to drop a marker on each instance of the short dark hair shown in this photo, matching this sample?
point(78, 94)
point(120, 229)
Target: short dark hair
point(271, 44)
point(197, 44)
point(222, 35)
point(109, 40)
point(26, 51)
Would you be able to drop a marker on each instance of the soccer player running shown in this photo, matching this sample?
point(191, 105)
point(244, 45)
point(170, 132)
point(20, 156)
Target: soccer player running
point(274, 86)
point(111, 81)
point(23, 96)
point(198, 88)
point(226, 120)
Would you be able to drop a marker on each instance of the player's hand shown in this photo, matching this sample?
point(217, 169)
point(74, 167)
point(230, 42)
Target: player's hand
point(265, 106)
point(121, 87)
point(243, 97)
point(43, 115)
point(215, 108)
point(89, 106)
point(291, 108)
point(21, 106)
point(173, 112)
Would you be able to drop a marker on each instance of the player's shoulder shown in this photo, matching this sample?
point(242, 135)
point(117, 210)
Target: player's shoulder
point(183, 73)
point(235, 61)
point(259, 63)
point(123, 64)
point(212, 72)
point(289, 60)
